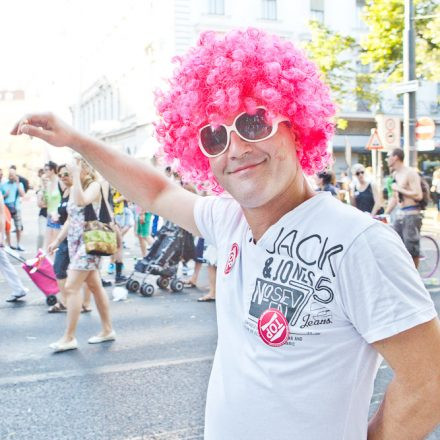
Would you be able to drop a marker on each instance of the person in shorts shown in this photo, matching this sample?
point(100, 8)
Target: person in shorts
point(143, 230)
point(407, 193)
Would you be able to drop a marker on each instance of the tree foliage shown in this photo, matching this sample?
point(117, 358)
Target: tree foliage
point(383, 45)
point(335, 55)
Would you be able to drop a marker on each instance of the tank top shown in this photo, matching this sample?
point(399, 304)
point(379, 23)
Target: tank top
point(62, 209)
point(53, 199)
point(364, 199)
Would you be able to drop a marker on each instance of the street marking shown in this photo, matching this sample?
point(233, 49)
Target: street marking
point(195, 432)
point(118, 368)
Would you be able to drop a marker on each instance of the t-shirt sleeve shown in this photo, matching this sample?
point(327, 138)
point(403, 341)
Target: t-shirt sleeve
point(204, 218)
point(382, 293)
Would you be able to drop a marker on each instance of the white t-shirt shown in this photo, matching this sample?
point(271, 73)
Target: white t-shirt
point(342, 281)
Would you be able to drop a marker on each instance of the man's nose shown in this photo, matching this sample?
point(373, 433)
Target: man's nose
point(238, 147)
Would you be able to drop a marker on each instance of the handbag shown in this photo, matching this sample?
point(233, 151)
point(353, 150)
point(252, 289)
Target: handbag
point(12, 209)
point(99, 234)
point(11, 206)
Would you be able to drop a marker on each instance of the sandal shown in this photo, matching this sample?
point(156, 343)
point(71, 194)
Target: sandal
point(57, 308)
point(206, 298)
point(85, 309)
point(189, 285)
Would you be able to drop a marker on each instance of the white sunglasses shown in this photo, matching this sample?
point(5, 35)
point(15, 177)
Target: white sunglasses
point(214, 141)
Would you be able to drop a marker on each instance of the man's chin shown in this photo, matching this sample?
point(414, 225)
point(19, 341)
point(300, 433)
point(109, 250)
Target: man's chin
point(253, 198)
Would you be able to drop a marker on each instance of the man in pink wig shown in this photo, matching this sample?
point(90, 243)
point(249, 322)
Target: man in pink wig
point(310, 292)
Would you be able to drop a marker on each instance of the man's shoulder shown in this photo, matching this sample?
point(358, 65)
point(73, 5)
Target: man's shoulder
point(339, 216)
point(406, 172)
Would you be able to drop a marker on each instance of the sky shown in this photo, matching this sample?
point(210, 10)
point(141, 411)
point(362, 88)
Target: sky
point(43, 50)
point(42, 44)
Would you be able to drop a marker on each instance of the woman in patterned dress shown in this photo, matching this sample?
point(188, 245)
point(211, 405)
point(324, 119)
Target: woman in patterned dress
point(83, 268)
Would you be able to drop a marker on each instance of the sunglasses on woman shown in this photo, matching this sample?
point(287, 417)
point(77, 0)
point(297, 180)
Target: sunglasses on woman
point(359, 173)
point(66, 174)
point(215, 140)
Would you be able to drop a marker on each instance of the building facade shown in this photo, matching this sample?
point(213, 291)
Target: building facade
point(121, 72)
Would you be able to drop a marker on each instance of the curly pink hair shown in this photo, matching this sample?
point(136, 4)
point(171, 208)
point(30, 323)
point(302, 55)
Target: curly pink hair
point(239, 71)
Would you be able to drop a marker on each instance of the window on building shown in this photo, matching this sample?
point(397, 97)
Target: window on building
point(270, 9)
point(360, 23)
point(216, 7)
point(317, 10)
point(362, 105)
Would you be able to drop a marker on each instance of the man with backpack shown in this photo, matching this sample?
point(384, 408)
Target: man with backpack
point(408, 196)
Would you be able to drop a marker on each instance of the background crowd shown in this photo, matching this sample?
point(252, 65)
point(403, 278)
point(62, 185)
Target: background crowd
point(62, 191)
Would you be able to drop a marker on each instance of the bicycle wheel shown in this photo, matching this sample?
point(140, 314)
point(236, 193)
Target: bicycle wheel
point(429, 256)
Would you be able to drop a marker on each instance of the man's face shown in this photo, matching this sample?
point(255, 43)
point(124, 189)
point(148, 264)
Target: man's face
point(391, 160)
point(48, 172)
point(12, 175)
point(256, 173)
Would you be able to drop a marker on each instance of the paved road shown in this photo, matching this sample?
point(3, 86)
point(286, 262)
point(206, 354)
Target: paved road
point(149, 384)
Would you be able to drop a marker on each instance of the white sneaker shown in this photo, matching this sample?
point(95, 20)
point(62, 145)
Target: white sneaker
point(58, 346)
point(98, 339)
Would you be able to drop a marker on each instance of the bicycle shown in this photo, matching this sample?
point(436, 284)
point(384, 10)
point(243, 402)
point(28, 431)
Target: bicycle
point(429, 256)
point(429, 252)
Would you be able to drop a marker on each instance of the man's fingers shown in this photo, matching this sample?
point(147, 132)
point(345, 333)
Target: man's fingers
point(14, 131)
point(38, 132)
point(37, 120)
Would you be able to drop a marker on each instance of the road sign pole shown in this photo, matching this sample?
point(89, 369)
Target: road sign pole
point(409, 98)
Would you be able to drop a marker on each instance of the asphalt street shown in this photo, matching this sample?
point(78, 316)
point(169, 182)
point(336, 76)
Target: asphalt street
point(148, 384)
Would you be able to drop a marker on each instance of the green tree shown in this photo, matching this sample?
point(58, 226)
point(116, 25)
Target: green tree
point(334, 53)
point(383, 45)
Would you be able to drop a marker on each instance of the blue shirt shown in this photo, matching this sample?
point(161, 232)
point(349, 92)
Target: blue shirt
point(11, 189)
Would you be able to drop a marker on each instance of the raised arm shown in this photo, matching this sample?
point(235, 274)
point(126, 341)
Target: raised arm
point(415, 190)
point(377, 199)
point(137, 180)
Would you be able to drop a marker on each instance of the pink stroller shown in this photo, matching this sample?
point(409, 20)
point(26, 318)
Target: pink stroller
point(40, 271)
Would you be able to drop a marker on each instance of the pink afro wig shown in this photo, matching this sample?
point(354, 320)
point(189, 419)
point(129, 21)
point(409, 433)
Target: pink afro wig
point(223, 76)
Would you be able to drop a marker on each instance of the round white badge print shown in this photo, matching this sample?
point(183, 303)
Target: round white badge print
point(273, 328)
point(233, 254)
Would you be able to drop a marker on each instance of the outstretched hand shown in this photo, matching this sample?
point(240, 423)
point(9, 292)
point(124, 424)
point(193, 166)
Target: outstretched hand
point(47, 127)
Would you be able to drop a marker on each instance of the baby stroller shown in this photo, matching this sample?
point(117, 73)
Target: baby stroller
point(40, 271)
point(162, 260)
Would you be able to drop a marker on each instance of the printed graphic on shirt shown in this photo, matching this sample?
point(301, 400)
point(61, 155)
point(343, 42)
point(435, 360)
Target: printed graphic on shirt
point(273, 328)
point(233, 254)
point(296, 279)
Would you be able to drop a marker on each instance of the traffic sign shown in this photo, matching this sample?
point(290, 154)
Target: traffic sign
point(425, 128)
point(405, 87)
point(388, 128)
point(374, 143)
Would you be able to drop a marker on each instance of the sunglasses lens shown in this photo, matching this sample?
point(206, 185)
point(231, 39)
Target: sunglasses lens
point(253, 127)
point(214, 140)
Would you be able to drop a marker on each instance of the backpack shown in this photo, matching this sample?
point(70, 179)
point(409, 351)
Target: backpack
point(426, 196)
point(24, 182)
